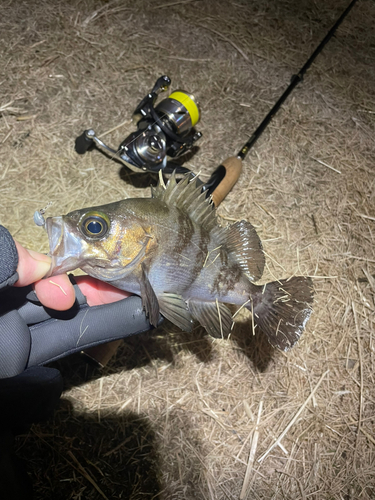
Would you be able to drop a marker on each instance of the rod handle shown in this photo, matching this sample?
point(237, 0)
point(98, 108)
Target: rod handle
point(233, 168)
point(101, 354)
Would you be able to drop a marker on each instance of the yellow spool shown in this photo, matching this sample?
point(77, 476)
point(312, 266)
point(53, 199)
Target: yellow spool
point(189, 104)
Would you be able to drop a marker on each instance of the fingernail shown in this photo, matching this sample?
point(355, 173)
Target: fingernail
point(40, 257)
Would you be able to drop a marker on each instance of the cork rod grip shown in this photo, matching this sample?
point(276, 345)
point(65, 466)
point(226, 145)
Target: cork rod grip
point(102, 353)
point(233, 167)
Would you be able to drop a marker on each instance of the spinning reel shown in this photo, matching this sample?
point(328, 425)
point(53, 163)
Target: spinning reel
point(165, 130)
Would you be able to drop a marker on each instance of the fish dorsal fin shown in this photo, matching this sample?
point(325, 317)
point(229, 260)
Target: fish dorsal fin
point(187, 196)
point(243, 246)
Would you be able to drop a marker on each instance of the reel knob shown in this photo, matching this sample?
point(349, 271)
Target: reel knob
point(155, 143)
point(84, 142)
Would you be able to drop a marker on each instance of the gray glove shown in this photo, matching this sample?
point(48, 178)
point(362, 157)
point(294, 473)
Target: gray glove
point(31, 335)
point(8, 259)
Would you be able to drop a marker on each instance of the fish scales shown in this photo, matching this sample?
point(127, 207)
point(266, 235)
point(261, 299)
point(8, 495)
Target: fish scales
point(170, 250)
point(212, 277)
point(182, 246)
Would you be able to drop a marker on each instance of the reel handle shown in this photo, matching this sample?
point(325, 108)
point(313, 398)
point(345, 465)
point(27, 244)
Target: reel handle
point(161, 85)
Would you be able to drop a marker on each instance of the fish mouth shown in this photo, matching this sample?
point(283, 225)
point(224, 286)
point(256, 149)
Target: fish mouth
point(65, 248)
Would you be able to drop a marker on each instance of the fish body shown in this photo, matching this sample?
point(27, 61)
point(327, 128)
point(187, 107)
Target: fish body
point(170, 250)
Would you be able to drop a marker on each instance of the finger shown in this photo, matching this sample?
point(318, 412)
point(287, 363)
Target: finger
point(56, 292)
point(32, 266)
point(97, 292)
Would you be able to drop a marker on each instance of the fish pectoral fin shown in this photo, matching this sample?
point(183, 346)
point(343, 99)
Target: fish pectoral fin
point(149, 299)
point(215, 317)
point(174, 308)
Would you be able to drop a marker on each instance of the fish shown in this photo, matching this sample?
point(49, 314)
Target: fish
point(171, 251)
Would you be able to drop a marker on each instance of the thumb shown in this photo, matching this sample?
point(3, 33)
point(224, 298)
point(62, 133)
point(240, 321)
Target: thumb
point(32, 266)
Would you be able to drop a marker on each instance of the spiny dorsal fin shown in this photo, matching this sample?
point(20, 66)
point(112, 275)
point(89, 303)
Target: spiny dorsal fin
point(186, 195)
point(156, 191)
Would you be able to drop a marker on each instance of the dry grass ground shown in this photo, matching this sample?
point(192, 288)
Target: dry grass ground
point(176, 415)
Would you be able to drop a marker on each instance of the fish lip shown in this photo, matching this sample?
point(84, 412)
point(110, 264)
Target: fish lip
point(65, 248)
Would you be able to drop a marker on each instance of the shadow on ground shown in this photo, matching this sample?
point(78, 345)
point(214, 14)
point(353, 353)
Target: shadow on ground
point(82, 457)
point(255, 347)
point(79, 456)
point(116, 456)
point(163, 344)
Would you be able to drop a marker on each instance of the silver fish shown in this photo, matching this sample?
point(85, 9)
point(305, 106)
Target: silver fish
point(170, 250)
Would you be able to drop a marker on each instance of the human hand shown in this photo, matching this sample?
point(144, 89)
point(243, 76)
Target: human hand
point(30, 339)
point(58, 292)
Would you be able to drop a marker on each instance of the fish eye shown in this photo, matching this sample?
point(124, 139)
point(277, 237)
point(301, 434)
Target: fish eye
point(95, 225)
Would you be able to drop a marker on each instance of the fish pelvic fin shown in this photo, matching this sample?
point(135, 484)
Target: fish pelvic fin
point(281, 310)
point(243, 246)
point(175, 309)
point(149, 299)
point(215, 317)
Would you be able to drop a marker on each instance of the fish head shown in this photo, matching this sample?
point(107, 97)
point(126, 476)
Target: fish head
point(105, 242)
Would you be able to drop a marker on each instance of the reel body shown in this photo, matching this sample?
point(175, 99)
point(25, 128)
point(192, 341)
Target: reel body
point(163, 131)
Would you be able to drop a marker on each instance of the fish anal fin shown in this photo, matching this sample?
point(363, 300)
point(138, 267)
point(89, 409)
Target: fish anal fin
point(215, 317)
point(149, 299)
point(175, 309)
point(244, 246)
point(282, 309)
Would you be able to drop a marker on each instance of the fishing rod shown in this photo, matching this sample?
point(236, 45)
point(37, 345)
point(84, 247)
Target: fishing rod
point(223, 178)
point(226, 175)
point(166, 131)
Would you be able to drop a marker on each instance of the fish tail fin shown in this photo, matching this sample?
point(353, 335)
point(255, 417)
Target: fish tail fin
point(281, 310)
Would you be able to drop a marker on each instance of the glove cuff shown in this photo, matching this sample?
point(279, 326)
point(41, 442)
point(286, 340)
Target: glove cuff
point(8, 259)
